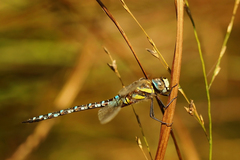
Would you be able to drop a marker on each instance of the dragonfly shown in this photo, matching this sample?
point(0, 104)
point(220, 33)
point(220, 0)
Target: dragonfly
point(138, 91)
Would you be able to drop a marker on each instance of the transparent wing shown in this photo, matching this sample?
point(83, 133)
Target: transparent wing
point(107, 113)
point(133, 86)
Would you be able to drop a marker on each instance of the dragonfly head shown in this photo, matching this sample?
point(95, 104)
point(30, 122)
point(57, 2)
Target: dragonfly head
point(161, 84)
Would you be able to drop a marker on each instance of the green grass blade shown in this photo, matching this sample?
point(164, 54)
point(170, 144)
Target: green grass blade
point(205, 80)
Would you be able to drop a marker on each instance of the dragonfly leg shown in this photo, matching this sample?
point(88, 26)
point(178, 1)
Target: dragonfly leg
point(167, 104)
point(153, 116)
point(170, 102)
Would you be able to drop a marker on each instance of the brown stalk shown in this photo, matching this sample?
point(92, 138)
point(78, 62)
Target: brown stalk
point(175, 76)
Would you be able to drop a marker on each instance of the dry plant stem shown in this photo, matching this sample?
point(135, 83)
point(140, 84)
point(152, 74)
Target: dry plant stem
point(140, 146)
point(113, 67)
point(123, 34)
point(130, 46)
point(162, 60)
point(143, 134)
point(224, 46)
point(176, 68)
point(72, 87)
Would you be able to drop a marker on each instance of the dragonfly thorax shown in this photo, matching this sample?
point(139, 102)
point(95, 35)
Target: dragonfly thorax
point(161, 84)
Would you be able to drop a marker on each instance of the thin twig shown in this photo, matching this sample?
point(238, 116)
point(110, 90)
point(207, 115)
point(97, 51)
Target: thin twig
point(144, 137)
point(123, 34)
point(164, 63)
point(113, 66)
point(140, 146)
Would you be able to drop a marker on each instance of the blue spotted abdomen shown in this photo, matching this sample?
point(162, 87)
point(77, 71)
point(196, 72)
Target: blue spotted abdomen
point(112, 102)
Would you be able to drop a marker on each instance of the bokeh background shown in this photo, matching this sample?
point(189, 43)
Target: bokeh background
point(51, 57)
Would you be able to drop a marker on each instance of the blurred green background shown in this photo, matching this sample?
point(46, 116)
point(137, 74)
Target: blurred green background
point(44, 43)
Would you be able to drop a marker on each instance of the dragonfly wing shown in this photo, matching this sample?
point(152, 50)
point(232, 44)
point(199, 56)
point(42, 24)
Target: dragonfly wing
point(107, 113)
point(133, 86)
